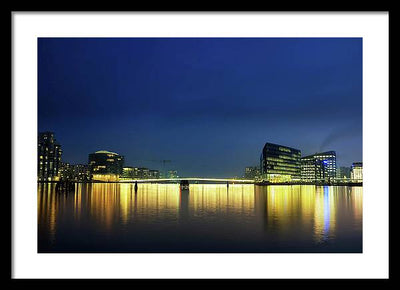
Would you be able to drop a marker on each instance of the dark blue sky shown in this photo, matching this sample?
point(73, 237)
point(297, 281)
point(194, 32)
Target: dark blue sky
point(207, 104)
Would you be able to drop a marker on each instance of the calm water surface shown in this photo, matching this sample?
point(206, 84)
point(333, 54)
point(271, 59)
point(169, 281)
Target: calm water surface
point(211, 218)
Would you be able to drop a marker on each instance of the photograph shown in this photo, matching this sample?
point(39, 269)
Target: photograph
point(200, 145)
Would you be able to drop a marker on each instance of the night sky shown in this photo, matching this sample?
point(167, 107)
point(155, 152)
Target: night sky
point(207, 104)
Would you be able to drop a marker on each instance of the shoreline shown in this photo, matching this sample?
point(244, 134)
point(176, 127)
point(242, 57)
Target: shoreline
point(333, 183)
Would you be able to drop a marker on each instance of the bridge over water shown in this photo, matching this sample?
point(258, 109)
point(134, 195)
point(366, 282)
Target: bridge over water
point(337, 182)
point(189, 179)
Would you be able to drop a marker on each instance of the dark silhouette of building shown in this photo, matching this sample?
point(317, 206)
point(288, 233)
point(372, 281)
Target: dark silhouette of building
point(49, 157)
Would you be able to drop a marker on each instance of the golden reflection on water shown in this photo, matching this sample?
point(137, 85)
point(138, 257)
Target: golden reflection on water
point(304, 207)
point(104, 203)
point(221, 199)
point(47, 210)
point(357, 196)
point(280, 209)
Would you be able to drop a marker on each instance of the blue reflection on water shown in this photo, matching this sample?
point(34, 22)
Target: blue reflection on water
point(326, 212)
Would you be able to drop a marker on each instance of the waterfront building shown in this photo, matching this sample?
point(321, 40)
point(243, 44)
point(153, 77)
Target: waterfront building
point(311, 169)
point(105, 165)
point(251, 172)
point(135, 172)
point(343, 172)
point(81, 172)
point(319, 166)
point(128, 172)
point(280, 163)
point(74, 172)
point(172, 174)
point(49, 157)
point(65, 171)
point(143, 173)
point(356, 171)
point(154, 174)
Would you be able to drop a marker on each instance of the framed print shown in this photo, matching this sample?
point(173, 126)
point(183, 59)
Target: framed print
point(200, 145)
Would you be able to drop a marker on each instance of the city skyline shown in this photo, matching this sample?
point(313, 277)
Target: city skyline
point(209, 105)
point(277, 159)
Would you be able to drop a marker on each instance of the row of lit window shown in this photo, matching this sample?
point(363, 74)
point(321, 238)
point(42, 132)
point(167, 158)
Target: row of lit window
point(283, 164)
point(283, 172)
point(289, 157)
point(284, 168)
point(282, 159)
point(283, 149)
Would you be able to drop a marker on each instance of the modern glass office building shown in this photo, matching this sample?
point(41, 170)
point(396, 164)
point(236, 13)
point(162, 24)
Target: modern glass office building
point(319, 166)
point(105, 165)
point(280, 163)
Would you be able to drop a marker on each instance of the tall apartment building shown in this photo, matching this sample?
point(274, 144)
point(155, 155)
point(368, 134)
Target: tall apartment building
point(49, 157)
